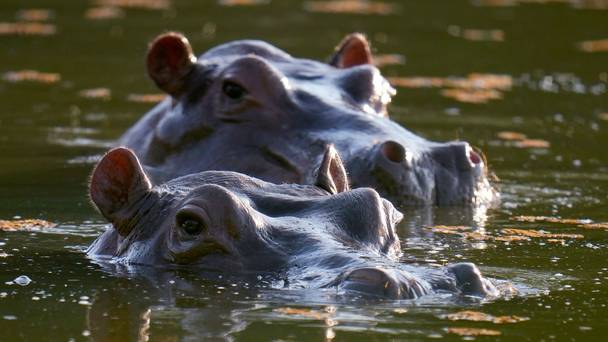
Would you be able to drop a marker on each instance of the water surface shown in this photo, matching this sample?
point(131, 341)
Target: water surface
point(469, 70)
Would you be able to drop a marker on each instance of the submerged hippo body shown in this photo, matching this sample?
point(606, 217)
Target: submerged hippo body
point(249, 107)
point(311, 236)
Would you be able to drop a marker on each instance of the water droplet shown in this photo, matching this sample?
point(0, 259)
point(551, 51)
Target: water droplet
point(22, 280)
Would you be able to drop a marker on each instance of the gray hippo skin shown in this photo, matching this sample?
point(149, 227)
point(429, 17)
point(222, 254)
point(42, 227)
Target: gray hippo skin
point(269, 115)
point(309, 236)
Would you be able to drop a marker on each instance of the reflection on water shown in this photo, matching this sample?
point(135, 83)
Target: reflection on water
point(525, 80)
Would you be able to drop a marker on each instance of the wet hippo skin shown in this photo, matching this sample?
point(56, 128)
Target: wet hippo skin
point(249, 107)
point(310, 236)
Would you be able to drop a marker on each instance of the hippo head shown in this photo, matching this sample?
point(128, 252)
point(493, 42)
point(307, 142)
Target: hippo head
point(270, 115)
point(322, 235)
point(229, 221)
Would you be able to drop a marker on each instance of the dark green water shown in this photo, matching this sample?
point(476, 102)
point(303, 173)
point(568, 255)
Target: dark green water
point(559, 92)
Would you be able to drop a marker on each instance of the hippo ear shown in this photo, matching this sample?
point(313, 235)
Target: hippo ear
point(169, 61)
point(352, 51)
point(118, 182)
point(332, 175)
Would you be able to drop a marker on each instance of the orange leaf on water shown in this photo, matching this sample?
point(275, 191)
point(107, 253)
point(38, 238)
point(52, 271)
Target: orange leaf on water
point(31, 76)
point(473, 331)
point(27, 224)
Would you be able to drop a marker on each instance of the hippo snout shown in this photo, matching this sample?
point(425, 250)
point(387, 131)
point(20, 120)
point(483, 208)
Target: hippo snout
point(457, 156)
point(470, 281)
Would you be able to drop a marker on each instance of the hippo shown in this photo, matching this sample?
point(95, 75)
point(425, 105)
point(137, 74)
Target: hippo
point(321, 236)
point(269, 115)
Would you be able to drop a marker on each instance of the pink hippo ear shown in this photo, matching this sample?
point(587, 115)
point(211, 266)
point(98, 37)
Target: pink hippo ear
point(169, 61)
point(117, 183)
point(332, 175)
point(352, 51)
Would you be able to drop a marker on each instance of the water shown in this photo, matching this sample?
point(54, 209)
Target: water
point(551, 87)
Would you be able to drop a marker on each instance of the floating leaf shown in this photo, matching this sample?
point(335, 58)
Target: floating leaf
point(581, 4)
point(388, 59)
point(472, 96)
point(28, 29)
point(550, 219)
point(142, 4)
point(511, 238)
point(473, 331)
point(350, 6)
point(96, 93)
point(417, 82)
point(28, 224)
point(305, 312)
point(540, 234)
point(31, 76)
point(506, 135)
point(472, 81)
point(490, 81)
point(146, 98)
point(532, 143)
point(102, 13)
point(34, 15)
point(603, 116)
point(477, 316)
point(594, 45)
point(601, 225)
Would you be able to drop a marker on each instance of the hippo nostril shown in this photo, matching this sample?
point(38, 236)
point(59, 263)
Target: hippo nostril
point(474, 157)
point(393, 151)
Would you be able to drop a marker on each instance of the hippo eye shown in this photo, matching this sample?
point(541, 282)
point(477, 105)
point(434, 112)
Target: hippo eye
point(189, 224)
point(233, 90)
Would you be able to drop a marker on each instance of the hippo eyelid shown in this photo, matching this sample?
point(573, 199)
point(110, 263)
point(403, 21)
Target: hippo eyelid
point(188, 214)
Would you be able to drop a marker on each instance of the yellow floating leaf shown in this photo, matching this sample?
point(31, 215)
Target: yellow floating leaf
point(540, 234)
point(594, 45)
point(472, 95)
point(551, 219)
point(511, 238)
point(603, 116)
point(34, 15)
point(417, 82)
point(96, 93)
point(599, 225)
point(142, 4)
point(146, 98)
point(350, 6)
point(532, 143)
point(305, 312)
point(28, 224)
point(477, 316)
point(388, 59)
point(28, 29)
point(31, 76)
point(490, 81)
point(106, 12)
point(473, 331)
point(474, 81)
point(507, 135)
